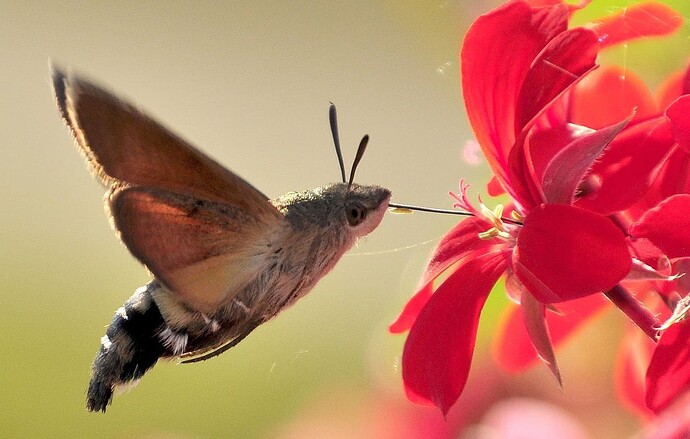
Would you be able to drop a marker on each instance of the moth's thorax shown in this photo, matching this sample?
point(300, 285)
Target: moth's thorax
point(318, 207)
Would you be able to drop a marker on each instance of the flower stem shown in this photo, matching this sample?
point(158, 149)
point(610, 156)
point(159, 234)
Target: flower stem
point(635, 311)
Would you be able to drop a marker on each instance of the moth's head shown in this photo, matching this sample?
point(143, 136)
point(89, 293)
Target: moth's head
point(358, 209)
point(348, 208)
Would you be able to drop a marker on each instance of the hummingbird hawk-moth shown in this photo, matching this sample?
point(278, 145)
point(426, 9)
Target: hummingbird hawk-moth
point(224, 257)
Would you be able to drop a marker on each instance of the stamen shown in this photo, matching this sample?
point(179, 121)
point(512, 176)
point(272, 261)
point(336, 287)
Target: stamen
point(494, 216)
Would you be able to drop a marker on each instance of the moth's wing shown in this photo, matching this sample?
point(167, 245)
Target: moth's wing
point(204, 251)
point(122, 143)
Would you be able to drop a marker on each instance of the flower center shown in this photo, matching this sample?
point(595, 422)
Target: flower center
point(495, 217)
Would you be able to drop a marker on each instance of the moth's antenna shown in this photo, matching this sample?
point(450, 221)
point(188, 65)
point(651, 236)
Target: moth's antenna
point(333, 118)
point(360, 153)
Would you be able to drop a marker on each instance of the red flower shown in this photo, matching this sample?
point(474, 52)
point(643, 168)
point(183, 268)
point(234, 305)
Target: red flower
point(648, 150)
point(646, 164)
point(520, 63)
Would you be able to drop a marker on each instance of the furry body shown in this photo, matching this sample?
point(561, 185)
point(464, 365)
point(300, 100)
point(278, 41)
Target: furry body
point(155, 324)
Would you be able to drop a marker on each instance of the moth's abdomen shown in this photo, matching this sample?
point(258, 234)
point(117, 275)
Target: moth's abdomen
point(130, 347)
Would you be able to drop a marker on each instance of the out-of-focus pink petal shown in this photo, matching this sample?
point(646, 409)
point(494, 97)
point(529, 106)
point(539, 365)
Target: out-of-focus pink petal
point(667, 226)
point(530, 418)
point(672, 423)
point(642, 20)
point(679, 114)
point(561, 250)
point(492, 75)
point(561, 63)
point(471, 153)
point(439, 347)
point(512, 347)
point(626, 167)
point(631, 364)
point(611, 94)
point(456, 244)
point(566, 169)
point(535, 324)
point(668, 375)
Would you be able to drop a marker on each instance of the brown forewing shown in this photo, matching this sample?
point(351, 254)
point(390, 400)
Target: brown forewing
point(121, 143)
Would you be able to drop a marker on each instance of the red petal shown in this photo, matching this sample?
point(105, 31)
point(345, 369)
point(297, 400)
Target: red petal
point(671, 89)
point(643, 250)
point(494, 187)
point(668, 375)
point(561, 63)
point(667, 226)
point(679, 114)
point(535, 324)
point(438, 350)
point(523, 186)
point(637, 21)
point(565, 171)
point(561, 250)
point(541, 145)
point(670, 290)
point(513, 349)
point(611, 94)
point(496, 55)
point(544, 135)
point(626, 167)
point(455, 245)
point(631, 363)
point(673, 176)
point(412, 309)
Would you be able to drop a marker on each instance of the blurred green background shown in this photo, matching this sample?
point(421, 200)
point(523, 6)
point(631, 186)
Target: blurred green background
point(249, 82)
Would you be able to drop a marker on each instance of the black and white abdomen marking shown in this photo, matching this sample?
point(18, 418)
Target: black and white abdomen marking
point(134, 341)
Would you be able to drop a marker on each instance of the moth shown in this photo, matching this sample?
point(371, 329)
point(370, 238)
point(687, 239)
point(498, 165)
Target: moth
point(224, 257)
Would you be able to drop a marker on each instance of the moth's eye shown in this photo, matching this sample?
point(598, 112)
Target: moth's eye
point(355, 214)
